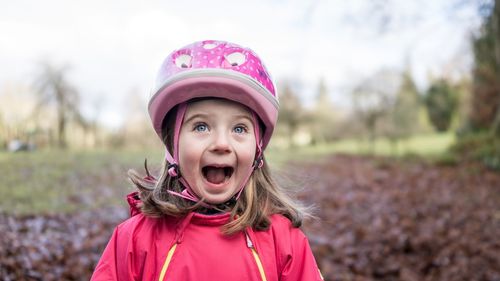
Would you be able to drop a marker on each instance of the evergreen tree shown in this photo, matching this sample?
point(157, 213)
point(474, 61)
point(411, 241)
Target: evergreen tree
point(441, 103)
point(485, 102)
point(403, 119)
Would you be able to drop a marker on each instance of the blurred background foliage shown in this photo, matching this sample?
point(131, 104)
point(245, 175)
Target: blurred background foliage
point(385, 107)
point(56, 160)
point(455, 119)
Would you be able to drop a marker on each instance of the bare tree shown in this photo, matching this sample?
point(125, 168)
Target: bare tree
point(3, 140)
point(373, 98)
point(402, 120)
point(54, 89)
point(322, 116)
point(290, 112)
point(136, 124)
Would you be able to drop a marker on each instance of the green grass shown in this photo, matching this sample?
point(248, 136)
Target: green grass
point(65, 181)
point(52, 181)
point(432, 146)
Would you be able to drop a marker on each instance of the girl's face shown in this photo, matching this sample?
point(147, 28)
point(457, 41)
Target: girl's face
point(216, 148)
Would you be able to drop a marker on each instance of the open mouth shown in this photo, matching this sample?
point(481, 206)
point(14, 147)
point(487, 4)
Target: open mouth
point(217, 174)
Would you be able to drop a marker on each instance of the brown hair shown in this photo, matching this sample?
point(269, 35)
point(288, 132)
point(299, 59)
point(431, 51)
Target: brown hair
point(261, 197)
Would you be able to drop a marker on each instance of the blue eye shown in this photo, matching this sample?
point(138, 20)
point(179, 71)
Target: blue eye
point(200, 127)
point(240, 129)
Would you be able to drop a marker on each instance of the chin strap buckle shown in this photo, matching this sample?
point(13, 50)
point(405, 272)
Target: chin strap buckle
point(173, 170)
point(258, 163)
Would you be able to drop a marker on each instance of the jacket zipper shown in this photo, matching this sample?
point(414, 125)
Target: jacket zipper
point(167, 261)
point(249, 245)
point(257, 258)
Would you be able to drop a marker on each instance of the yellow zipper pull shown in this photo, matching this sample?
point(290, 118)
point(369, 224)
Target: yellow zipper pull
point(256, 257)
point(167, 261)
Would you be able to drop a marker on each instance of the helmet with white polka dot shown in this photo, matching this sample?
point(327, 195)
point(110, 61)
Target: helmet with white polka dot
point(215, 69)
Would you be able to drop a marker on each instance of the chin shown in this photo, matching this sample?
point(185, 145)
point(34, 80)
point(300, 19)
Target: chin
point(218, 198)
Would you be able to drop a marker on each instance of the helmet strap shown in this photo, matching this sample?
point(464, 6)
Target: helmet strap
point(258, 162)
point(173, 167)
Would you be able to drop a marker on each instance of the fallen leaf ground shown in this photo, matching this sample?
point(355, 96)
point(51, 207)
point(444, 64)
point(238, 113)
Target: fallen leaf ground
point(377, 219)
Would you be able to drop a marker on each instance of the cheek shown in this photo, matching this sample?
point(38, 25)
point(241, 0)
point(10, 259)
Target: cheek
point(247, 152)
point(189, 165)
point(189, 153)
point(187, 157)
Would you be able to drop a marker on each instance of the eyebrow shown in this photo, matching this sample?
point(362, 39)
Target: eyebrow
point(242, 116)
point(186, 120)
point(203, 115)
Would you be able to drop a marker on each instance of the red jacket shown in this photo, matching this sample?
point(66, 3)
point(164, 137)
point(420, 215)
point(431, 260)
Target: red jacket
point(193, 248)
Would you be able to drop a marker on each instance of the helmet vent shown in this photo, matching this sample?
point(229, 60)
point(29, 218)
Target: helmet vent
point(209, 46)
point(236, 59)
point(183, 61)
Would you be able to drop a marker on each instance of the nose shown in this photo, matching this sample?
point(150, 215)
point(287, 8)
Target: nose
point(221, 143)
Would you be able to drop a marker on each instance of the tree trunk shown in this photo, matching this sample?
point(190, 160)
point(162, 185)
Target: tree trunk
point(371, 137)
point(495, 128)
point(61, 127)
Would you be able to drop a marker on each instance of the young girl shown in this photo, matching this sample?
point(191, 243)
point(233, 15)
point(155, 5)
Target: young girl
point(214, 213)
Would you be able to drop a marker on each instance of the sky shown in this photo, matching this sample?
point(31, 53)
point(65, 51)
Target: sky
point(114, 48)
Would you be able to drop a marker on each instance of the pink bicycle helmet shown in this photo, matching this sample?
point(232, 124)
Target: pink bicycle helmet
point(213, 69)
point(215, 63)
